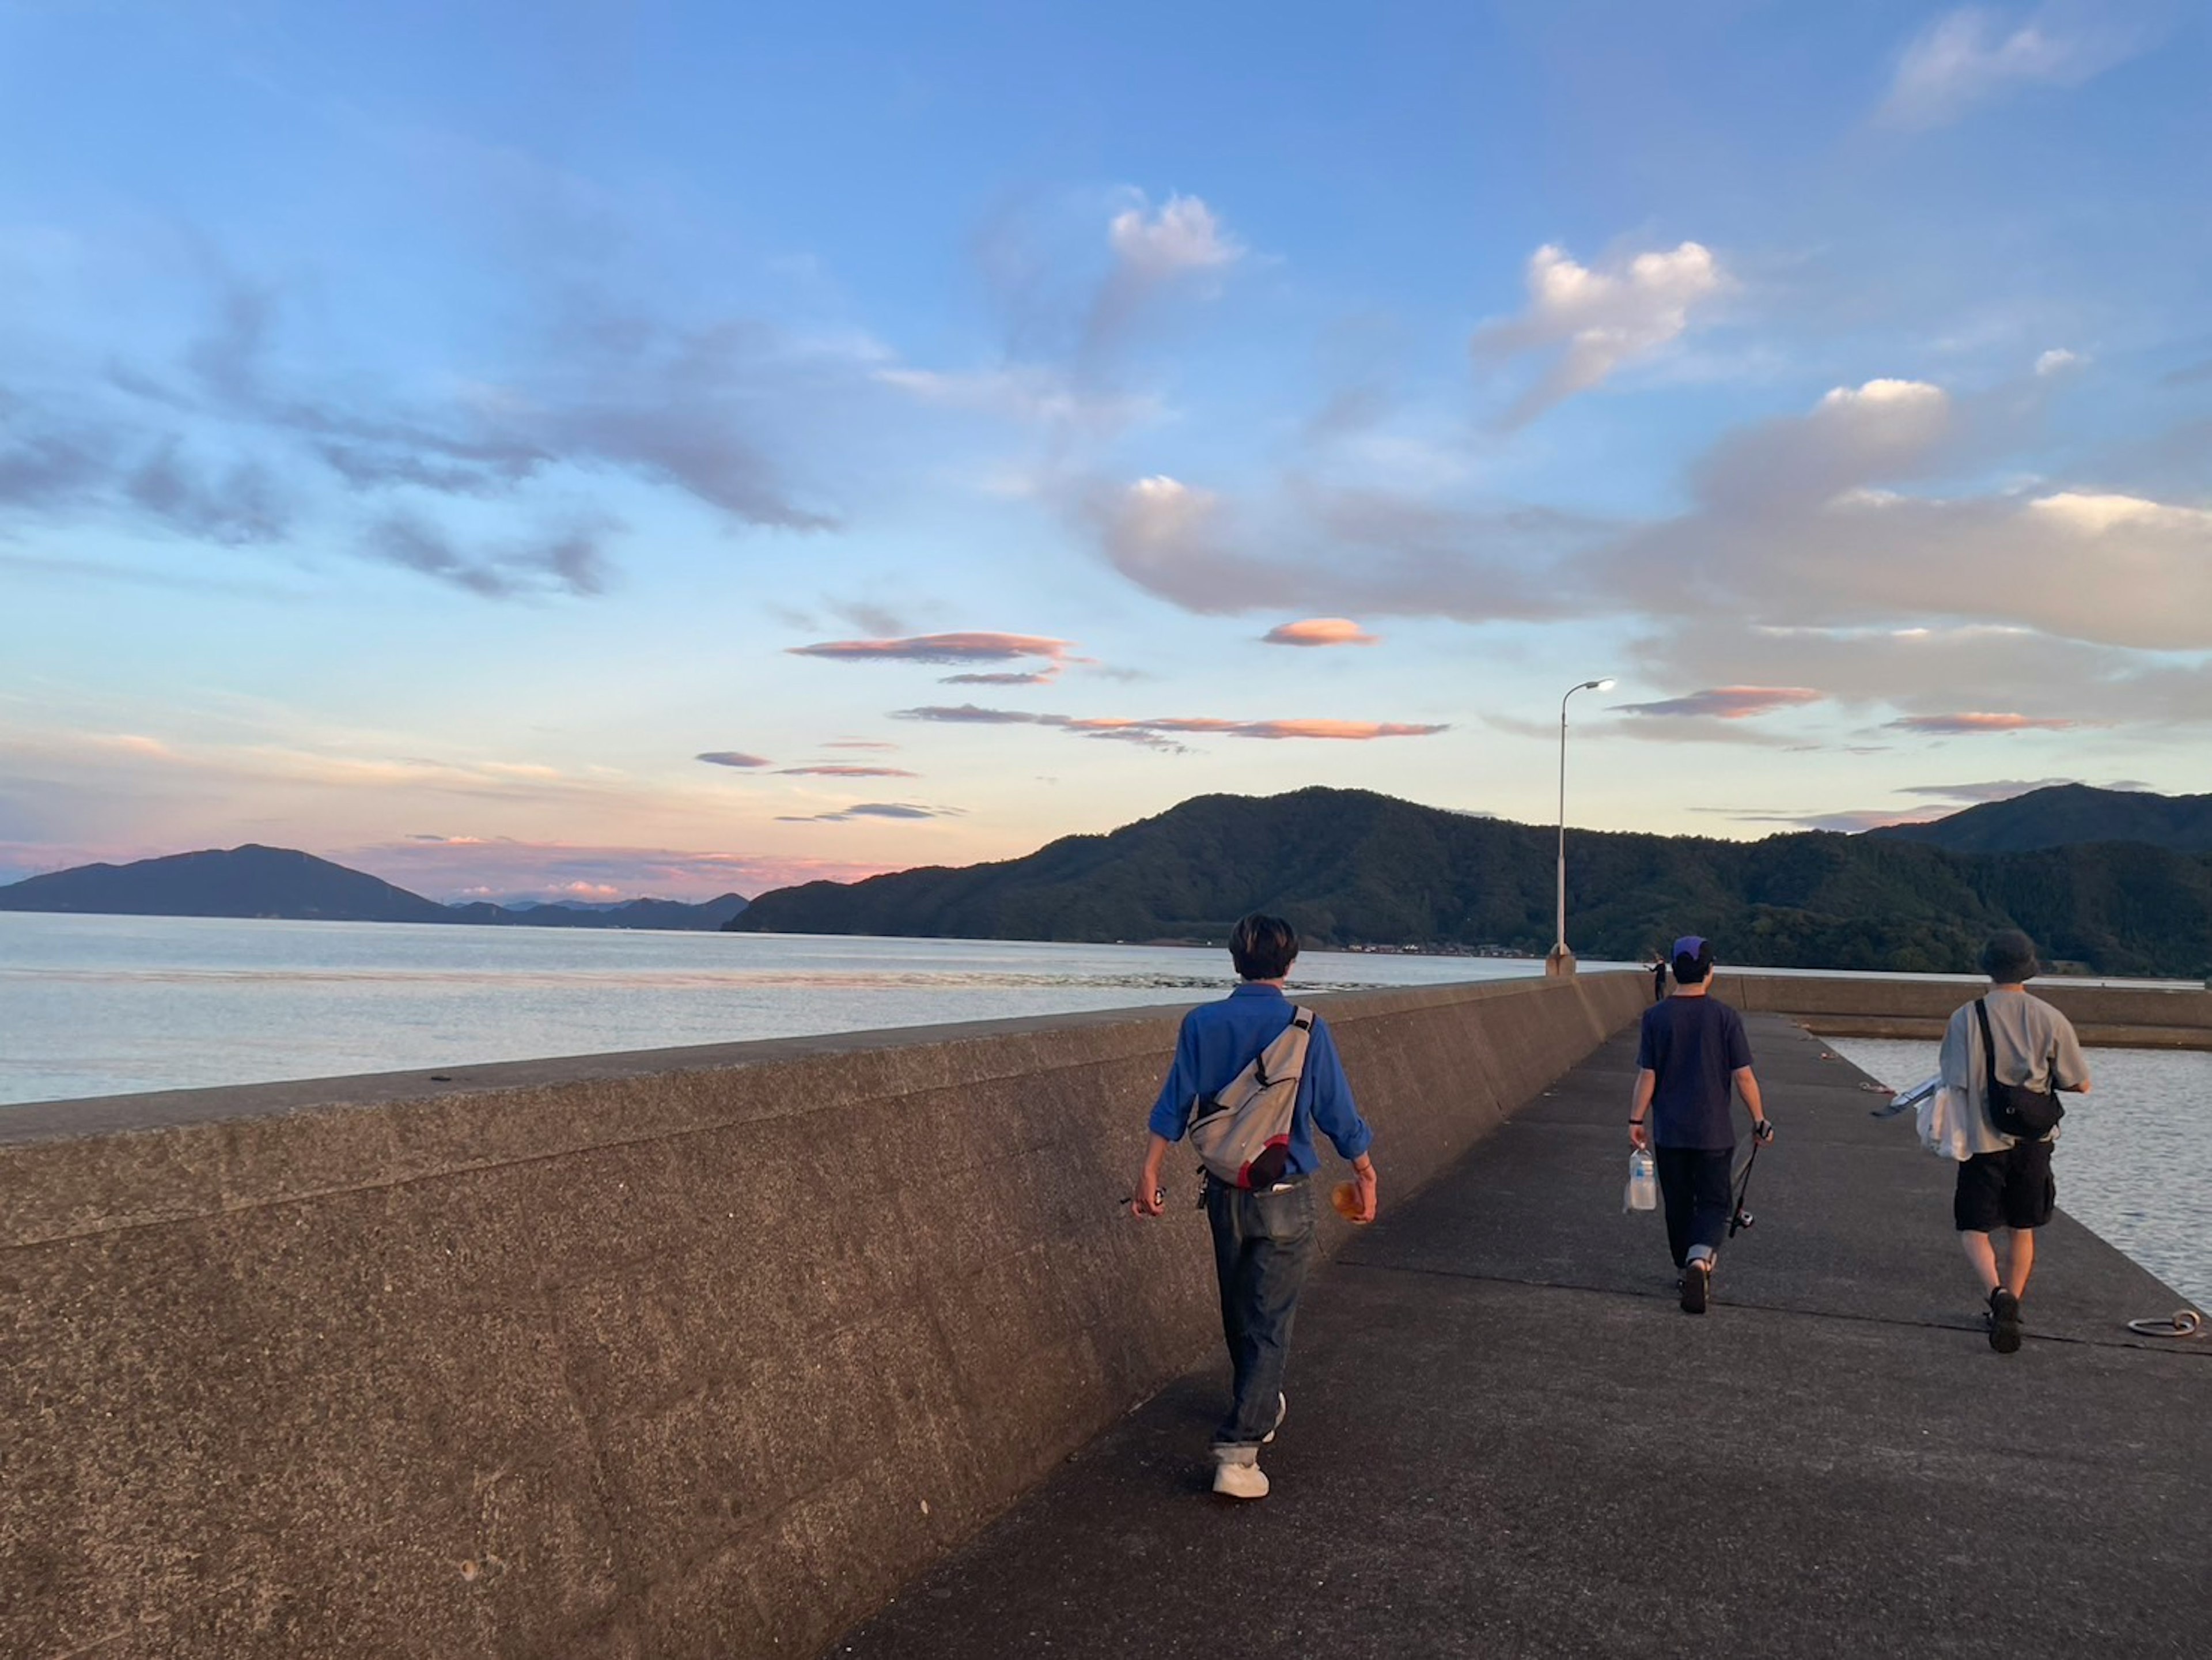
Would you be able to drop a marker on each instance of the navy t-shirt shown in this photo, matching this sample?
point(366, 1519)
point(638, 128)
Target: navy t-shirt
point(1695, 1044)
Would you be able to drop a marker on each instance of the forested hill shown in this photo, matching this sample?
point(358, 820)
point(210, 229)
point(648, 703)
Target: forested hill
point(1349, 867)
point(2066, 815)
point(254, 881)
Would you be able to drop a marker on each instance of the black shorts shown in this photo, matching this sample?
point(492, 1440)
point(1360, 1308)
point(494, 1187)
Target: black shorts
point(2013, 1189)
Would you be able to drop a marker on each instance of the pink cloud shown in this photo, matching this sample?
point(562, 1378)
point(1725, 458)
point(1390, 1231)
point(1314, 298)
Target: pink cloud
point(1728, 703)
point(1321, 631)
point(856, 744)
point(1977, 721)
point(845, 772)
point(1135, 730)
point(732, 759)
point(964, 647)
point(1850, 822)
point(897, 810)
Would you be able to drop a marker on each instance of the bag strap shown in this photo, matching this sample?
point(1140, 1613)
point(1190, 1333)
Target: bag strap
point(1293, 1062)
point(1988, 1047)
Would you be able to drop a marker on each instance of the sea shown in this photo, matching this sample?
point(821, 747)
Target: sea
point(94, 1006)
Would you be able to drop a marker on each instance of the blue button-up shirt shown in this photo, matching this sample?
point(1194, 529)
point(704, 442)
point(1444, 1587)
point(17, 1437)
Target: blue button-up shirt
point(1218, 1040)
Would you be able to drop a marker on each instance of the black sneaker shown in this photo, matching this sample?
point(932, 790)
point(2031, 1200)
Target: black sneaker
point(1696, 1280)
point(2004, 1320)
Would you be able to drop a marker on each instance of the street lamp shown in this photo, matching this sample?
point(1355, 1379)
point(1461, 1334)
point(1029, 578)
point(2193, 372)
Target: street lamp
point(1562, 961)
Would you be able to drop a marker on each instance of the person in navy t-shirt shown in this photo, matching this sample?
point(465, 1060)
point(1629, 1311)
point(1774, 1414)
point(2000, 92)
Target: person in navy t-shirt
point(1690, 1058)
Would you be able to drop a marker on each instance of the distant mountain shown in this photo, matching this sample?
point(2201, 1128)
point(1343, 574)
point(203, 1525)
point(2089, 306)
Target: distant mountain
point(1349, 867)
point(629, 914)
point(282, 882)
point(2069, 815)
point(247, 881)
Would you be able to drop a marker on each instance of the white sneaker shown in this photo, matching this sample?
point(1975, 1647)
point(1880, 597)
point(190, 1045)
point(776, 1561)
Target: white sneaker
point(1234, 1480)
point(1282, 1411)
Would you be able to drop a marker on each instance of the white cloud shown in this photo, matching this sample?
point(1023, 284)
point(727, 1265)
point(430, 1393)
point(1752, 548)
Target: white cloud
point(1975, 54)
point(2058, 360)
point(1597, 320)
point(1183, 234)
point(1031, 394)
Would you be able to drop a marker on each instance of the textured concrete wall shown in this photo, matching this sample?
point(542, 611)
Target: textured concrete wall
point(698, 1351)
point(2142, 1017)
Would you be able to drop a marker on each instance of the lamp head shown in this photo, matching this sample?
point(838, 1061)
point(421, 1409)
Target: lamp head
point(1598, 685)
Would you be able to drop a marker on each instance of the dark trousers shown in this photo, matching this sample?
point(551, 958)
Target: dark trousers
point(1263, 1245)
point(1694, 1186)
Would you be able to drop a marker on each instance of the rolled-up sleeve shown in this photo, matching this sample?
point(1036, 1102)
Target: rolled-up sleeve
point(1334, 1110)
point(1171, 1112)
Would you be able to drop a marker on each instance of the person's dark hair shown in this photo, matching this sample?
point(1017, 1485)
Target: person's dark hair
point(1691, 970)
point(1262, 947)
point(2009, 958)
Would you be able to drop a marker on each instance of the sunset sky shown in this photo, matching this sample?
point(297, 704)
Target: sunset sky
point(595, 449)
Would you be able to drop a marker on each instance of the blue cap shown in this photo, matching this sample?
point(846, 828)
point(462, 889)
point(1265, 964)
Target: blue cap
point(1690, 945)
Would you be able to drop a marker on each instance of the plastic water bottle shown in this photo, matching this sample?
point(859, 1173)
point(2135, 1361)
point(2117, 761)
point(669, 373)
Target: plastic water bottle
point(1643, 1182)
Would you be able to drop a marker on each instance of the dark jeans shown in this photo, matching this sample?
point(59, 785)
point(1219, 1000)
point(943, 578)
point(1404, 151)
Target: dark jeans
point(1263, 1243)
point(1699, 1195)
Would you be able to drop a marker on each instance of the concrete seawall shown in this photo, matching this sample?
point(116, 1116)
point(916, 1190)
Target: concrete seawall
point(694, 1351)
point(2130, 1017)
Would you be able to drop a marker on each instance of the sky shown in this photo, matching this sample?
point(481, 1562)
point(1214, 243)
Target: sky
point(588, 450)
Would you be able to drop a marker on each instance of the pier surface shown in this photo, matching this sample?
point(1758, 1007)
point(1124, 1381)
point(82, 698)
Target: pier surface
point(1505, 1438)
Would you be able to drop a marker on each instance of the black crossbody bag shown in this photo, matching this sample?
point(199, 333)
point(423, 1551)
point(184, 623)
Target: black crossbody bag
point(2015, 1108)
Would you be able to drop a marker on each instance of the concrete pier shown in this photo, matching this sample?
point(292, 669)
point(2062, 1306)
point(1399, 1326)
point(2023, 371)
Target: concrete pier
point(1505, 1439)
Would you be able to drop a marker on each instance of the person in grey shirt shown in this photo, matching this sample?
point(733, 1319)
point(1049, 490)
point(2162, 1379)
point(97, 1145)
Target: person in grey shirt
point(2006, 1181)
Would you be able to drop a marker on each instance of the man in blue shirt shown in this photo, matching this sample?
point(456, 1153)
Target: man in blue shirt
point(1263, 1241)
point(1691, 1056)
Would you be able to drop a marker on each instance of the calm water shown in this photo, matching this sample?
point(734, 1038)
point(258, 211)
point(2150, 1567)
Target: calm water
point(2134, 1158)
point(110, 1005)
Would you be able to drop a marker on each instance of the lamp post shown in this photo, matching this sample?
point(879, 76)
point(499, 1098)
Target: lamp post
point(1561, 960)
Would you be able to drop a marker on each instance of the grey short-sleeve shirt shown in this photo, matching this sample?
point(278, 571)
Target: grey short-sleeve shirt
point(2036, 1046)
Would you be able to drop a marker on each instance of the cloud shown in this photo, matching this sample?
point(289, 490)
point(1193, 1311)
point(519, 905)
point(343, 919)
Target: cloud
point(571, 561)
point(1850, 822)
point(1728, 703)
point(1645, 731)
point(845, 772)
point(1939, 667)
point(1972, 722)
point(1799, 521)
point(2058, 360)
point(1183, 234)
point(1998, 789)
point(230, 445)
point(1319, 631)
point(856, 744)
point(894, 810)
point(1039, 395)
point(1179, 243)
point(1140, 731)
point(1974, 56)
point(731, 758)
point(1039, 678)
point(1324, 545)
point(968, 648)
point(1594, 320)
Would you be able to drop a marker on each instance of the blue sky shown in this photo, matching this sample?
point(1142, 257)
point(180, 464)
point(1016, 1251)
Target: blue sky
point(603, 449)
